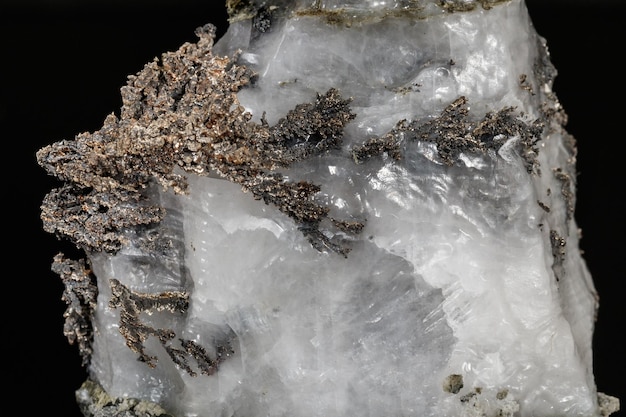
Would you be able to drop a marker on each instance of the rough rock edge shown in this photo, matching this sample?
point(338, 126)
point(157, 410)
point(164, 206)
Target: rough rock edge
point(94, 401)
point(608, 404)
point(477, 403)
point(182, 112)
point(266, 11)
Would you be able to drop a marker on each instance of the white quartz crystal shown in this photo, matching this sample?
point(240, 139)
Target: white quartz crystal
point(465, 293)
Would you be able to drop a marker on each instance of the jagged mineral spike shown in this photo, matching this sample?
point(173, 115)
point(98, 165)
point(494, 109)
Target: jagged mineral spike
point(342, 208)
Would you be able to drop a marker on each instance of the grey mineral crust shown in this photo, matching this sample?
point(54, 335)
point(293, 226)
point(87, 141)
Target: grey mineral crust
point(93, 401)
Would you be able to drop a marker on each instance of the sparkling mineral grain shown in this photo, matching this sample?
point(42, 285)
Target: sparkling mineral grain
point(341, 208)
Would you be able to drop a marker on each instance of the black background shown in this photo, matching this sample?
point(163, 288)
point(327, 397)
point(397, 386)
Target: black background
point(63, 64)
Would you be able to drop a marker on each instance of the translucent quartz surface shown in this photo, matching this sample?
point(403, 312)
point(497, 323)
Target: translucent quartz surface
point(458, 271)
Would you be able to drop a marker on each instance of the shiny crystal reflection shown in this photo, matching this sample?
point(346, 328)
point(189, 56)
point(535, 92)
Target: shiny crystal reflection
point(470, 268)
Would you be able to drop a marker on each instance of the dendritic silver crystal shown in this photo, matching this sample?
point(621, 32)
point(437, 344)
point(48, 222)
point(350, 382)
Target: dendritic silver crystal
point(340, 208)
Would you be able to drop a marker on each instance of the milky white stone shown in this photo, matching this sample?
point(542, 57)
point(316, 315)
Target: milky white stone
point(454, 272)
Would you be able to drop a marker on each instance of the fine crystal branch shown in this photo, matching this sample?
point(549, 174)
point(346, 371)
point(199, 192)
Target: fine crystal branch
point(455, 134)
point(132, 304)
point(183, 111)
point(80, 295)
point(135, 332)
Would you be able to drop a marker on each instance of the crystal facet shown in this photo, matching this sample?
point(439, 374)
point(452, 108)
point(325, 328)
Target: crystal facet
point(341, 208)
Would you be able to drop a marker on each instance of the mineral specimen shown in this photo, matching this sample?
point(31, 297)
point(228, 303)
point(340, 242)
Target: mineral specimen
point(341, 208)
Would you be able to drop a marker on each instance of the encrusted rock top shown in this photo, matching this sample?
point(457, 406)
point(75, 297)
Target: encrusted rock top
point(350, 11)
